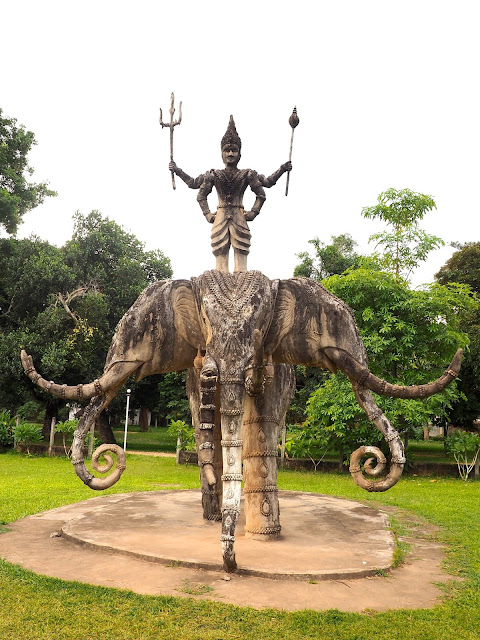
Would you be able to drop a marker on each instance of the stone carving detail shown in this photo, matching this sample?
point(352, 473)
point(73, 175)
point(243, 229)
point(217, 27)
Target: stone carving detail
point(265, 507)
point(230, 226)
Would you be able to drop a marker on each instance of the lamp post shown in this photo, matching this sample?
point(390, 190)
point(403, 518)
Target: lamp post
point(129, 391)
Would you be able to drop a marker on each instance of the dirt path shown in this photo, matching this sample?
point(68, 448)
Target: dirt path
point(157, 454)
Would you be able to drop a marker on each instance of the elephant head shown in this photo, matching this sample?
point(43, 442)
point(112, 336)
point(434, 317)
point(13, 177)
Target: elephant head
point(237, 332)
point(311, 326)
point(236, 311)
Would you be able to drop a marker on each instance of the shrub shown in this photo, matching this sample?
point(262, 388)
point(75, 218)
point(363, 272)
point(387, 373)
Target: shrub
point(7, 424)
point(27, 434)
point(180, 429)
point(32, 410)
point(465, 448)
point(67, 428)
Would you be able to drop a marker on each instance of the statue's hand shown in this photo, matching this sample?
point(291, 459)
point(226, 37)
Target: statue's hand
point(287, 166)
point(173, 167)
point(210, 217)
point(250, 215)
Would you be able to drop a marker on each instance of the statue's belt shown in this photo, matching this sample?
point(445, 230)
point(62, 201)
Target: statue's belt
point(229, 209)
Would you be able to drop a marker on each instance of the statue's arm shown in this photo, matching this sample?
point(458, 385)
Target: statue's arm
point(193, 183)
point(271, 180)
point(257, 188)
point(205, 189)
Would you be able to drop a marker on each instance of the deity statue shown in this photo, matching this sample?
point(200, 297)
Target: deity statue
point(230, 226)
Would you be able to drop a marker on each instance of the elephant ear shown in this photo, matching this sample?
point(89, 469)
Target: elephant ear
point(283, 317)
point(186, 317)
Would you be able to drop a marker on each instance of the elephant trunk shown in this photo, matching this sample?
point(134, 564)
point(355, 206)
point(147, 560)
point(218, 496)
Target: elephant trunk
point(397, 461)
point(86, 422)
point(364, 377)
point(387, 483)
point(208, 388)
point(254, 378)
point(112, 379)
point(232, 398)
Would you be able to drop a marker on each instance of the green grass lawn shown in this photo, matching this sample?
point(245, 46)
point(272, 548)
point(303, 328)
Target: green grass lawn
point(429, 451)
point(155, 439)
point(37, 608)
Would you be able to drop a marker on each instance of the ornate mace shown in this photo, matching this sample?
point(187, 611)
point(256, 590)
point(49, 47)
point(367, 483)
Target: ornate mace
point(293, 122)
point(173, 123)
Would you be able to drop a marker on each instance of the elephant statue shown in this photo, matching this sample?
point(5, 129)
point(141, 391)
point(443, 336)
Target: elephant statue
point(239, 336)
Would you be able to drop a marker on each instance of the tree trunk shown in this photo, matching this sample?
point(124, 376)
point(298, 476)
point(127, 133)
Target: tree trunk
point(105, 430)
point(50, 412)
point(143, 419)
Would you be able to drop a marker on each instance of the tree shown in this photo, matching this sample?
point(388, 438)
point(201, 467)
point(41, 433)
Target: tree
point(406, 245)
point(329, 259)
point(17, 195)
point(464, 267)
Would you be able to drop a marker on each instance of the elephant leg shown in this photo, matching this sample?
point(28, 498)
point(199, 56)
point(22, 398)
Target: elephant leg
point(211, 495)
point(90, 415)
point(264, 416)
point(232, 397)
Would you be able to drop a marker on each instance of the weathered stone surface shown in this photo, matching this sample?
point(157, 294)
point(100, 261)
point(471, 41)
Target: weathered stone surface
point(240, 334)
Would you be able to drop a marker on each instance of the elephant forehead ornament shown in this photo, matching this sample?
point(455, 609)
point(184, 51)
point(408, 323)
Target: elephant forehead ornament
point(239, 335)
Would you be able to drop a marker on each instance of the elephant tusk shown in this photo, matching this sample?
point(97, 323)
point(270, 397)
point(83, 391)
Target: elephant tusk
point(81, 392)
point(364, 377)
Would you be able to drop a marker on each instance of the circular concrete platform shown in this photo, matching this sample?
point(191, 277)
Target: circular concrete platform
point(322, 537)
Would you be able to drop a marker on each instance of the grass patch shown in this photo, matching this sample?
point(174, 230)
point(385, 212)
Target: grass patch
point(429, 451)
point(33, 607)
point(195, 589)
point(155, 439)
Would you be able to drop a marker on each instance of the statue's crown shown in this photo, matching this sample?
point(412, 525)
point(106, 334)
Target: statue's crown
point(231, 136)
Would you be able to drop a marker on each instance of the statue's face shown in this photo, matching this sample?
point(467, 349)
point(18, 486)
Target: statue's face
point(231, 155)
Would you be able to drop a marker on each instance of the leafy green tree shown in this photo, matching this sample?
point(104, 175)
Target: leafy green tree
point(336, 257)
point(327, 260)
point(464, 267)
point(405, 245)
point(17, 195)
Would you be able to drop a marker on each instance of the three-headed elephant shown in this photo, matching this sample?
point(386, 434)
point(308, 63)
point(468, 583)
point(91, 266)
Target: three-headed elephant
point(239, 335)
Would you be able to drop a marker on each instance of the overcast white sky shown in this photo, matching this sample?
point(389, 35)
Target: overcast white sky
point(386, 91)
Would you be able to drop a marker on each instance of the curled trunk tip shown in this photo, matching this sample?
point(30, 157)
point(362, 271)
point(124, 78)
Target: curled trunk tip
point(100, 484)
point(393, 476)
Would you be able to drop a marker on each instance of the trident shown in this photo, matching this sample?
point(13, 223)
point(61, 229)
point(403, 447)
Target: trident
point(170, 125)
point(292, 121)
